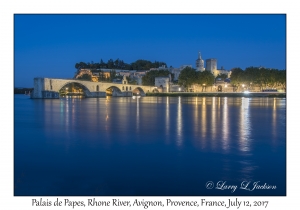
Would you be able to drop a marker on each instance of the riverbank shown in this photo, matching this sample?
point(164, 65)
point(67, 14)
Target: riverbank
point(22, 90)
point(221, 94)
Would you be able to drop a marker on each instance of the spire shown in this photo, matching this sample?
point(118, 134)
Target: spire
point(199, 55)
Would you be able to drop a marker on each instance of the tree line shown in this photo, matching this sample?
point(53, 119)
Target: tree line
point(120, 64)
point(258, 76)
point(22, 90)
point(250, 77)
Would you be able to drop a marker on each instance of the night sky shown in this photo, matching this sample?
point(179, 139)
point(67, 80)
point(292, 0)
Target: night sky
point(50, 45)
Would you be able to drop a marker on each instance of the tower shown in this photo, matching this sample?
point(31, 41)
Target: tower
point(211, 65)
point(200, 63)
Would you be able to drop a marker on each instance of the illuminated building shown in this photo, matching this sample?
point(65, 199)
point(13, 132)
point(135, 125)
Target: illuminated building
point(200, 63)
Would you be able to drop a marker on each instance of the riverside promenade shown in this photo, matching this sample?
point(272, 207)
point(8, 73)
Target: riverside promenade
point(221, 94)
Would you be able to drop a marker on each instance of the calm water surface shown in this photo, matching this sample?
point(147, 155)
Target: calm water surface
point(149, 146)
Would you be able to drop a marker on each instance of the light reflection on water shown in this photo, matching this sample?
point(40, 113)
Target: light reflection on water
point(167, 133)
point(225, 127)
point(196, 138)
point(212, 118)
point(245, 126)
point(203, 123)
point(179, 124)
point(214, 114)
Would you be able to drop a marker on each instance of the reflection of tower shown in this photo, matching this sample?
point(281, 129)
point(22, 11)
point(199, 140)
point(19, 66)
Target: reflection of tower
point(200, 63)
point(211, 65)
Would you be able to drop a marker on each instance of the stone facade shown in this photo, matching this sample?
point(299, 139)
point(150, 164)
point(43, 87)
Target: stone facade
point(211, 64)
point(162, 84)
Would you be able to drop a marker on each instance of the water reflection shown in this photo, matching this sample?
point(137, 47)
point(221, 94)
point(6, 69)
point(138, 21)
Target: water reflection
point(167, 133)
point(203, 123)
point(246, 165)
point(137, 114)
point(274, 121)
point(108, 128)
point(247, 168)
point(179, 123)
point(244, 126)
point(214, 129)
point(213, 123)
point(235, 134)
point(196, 119)
point(225, 127)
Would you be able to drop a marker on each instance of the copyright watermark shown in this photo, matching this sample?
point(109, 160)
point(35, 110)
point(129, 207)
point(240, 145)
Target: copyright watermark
point(209, 185)
point(245, 185)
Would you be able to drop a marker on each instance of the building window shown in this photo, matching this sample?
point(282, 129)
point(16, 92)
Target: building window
point(123, 88)
point(97, 88)
point(126, 88)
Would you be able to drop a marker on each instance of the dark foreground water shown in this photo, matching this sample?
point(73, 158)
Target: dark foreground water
point(150, 146)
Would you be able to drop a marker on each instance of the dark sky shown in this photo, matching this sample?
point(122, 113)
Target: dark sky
point(50, 45)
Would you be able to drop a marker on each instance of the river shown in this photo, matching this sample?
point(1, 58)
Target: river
point(151, 146)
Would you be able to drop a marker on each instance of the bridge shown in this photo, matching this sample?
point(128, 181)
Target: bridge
point(51, 88)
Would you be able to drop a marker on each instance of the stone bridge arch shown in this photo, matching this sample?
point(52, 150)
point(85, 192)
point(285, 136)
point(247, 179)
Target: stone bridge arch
point(85, 90)
point(113, 91)
point(138, 91)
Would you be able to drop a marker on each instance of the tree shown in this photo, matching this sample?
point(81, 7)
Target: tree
point(187, 77)
point(205, 79)
point(131, 81)
point(80, 65)
point(264, 77)
point(112, 75)
point(251, 76)
point(237, 77)
point(110, 64)
point(149, 78)
point(222, 76)
point(101, 76)
point(282, 78)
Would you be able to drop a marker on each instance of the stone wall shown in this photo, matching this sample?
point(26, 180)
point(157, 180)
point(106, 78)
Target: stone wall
point(92, 89)
point(38, 87)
